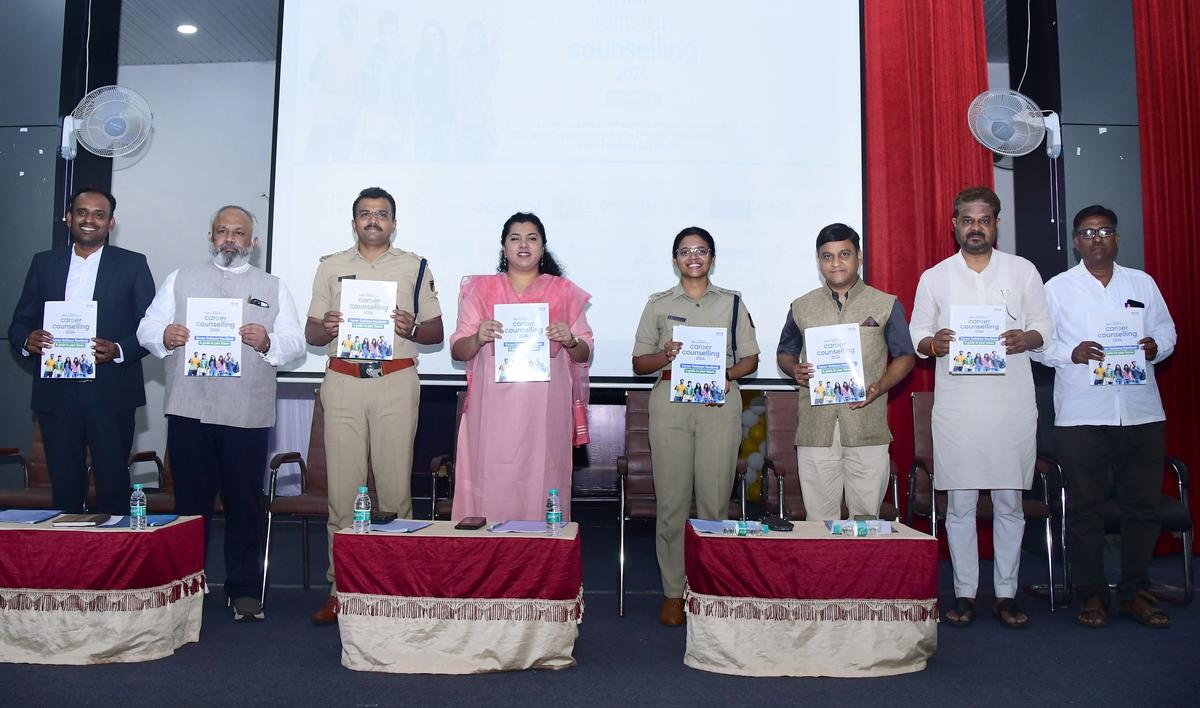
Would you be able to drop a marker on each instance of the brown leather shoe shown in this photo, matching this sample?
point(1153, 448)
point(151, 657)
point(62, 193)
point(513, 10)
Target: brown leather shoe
point(328, 612)
point(672, 611)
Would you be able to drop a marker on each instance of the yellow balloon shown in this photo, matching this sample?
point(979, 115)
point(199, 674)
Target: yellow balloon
point(757, 433)
point(748, 446)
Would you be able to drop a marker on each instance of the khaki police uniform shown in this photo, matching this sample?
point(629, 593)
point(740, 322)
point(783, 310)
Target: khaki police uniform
point(371, 415)
point(693, 447)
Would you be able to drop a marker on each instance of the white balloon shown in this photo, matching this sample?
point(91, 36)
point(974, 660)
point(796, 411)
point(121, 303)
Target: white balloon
point(750, 417)
point(758, 405)
point(751, 476)
point(762, 447)
point(754, 461)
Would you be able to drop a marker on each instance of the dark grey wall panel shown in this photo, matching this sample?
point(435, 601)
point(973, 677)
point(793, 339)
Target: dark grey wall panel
point(1097, 71)
point(31, 33)
point(27, 166)
point(1102, 166)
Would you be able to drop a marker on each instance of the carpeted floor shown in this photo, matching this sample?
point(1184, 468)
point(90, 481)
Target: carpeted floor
point(631, 660)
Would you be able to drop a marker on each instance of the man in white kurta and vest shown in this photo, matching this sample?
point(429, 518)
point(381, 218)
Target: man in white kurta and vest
point(217, 426)
point(842, 450)
point(984, 427)
point(371, 405)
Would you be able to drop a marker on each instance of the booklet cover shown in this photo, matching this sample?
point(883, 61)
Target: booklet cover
point(976, 349)
point(73, 325)
point(215, 346)
point(1118, 331)
point(698, 372)
point(835, 351)
point(523, 350)
point(367, 329)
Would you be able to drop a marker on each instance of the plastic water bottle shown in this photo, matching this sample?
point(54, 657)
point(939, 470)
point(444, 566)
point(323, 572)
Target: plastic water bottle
point(362, 511)
point(137, 509)
point(553, 513)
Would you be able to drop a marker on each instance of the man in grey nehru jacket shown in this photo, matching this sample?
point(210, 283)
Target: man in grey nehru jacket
point(217, 425)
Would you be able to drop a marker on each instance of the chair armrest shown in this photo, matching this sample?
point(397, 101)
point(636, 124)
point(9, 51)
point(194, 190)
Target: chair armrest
point(1182, 476)
point(440, 465)
point(284, 458)
point(739, 472)
point(147, 456)
point(623, 467)
point(14, 453)
point(288, 458)
point(922, 464)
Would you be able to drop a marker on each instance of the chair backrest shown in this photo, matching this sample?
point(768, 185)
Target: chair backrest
point(782, 419)
point(922, 412)
point(318, 475)
point(36, 469)
point(640, 481)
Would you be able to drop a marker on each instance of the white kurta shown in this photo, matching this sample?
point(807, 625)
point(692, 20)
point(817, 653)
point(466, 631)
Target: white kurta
point(984, 427)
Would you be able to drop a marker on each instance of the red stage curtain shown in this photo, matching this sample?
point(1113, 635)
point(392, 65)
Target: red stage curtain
point(924, 62)
point(1168, 79)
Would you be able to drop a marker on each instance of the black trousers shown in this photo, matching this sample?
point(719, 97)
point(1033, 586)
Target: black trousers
point(78, 424)
point(206, 458)
point(1095, 459)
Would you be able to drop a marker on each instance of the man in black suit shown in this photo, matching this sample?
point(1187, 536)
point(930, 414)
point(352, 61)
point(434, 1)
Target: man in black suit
point(81, 415)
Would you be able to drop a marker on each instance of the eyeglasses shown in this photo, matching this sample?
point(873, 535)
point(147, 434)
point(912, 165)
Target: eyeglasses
point(694, 251)
point(382, 214)
point(967, 222)
point(1102, 232)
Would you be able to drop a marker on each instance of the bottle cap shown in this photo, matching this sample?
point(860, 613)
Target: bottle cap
point(362, 490)
point(554, 491)
point(137, 487)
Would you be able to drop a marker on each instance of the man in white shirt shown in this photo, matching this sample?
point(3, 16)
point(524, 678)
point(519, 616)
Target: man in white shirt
point(1101, 428)
point(217, 426)
point(984, 427)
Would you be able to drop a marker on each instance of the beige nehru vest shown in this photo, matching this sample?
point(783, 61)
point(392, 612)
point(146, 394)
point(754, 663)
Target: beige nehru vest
point(864, 426)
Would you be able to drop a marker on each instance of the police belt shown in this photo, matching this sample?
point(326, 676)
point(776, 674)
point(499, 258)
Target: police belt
point(369, 369)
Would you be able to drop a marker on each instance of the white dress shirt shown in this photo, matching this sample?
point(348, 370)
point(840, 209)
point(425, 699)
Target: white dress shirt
point(81, 275)
point(81, 285)
point(287, 341)
point(1071, 296)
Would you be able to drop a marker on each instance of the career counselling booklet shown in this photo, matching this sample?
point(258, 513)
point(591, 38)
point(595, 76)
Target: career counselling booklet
point(366, 329)
point(72, 323)
point(835, 351)
point(1118, 331)
point(698, 372)
point(976, 349)
point(215, 346)
point(523, 349)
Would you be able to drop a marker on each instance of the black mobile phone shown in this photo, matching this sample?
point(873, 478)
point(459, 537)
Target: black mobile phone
point(471, 522)
point(775, 523)
point(383, 517)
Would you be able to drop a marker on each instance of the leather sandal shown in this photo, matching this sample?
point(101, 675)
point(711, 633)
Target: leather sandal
point(963, 612)
point(1093, 614)
point(1009, 614)
point(1144, 610)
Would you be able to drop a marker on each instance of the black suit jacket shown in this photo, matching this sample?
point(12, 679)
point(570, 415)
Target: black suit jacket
point(124, 289)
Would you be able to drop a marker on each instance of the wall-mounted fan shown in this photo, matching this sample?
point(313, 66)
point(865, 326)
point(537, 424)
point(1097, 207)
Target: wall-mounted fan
point(1010, 123)
point(109, 121)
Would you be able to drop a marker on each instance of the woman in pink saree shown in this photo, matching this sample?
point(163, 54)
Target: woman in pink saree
point(515, 438)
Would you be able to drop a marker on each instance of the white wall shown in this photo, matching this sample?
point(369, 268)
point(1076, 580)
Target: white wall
point(211, 146)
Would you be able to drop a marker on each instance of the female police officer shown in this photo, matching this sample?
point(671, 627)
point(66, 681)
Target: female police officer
point(693, 447)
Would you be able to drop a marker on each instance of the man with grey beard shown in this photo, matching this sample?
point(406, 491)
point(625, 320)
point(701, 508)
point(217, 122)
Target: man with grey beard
point(217, 426)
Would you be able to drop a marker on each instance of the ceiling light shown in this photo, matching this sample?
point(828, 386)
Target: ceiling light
point(186, 29)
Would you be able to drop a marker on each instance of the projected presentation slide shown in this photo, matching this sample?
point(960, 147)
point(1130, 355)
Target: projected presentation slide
point(618, 122)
